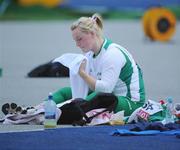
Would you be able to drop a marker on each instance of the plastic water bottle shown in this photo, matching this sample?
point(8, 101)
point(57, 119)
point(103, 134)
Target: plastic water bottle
point(169, 111)
point(50, 113)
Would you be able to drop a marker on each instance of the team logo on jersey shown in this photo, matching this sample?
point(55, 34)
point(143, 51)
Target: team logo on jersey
point(90, 70)
point(99, 75)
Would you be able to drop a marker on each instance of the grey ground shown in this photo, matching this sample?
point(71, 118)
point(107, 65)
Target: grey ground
point(25, 45)
point(27, 128)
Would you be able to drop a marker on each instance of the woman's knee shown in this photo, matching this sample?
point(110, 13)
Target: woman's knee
point(127, 105)
point(62, 95)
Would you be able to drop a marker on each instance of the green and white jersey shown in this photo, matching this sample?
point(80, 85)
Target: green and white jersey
point(116, 72)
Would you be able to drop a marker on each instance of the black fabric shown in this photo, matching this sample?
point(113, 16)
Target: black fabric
point(71, 113)
point(178, 136)
point(75, 112)
point(49, 70)
point(141, 126)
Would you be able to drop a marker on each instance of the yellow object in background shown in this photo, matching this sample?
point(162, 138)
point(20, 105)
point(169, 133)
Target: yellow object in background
point(146, 20)
point(47, 3)
point(51, 3)
point(159, 24)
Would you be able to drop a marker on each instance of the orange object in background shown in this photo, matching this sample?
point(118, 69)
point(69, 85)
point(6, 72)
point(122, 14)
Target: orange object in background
point(47, 3)
point(159, 24)
point(146, 21)
point(51, 3)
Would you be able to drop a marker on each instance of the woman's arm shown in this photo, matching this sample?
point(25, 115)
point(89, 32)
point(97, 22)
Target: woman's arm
point(112, 64)
point(111, 68)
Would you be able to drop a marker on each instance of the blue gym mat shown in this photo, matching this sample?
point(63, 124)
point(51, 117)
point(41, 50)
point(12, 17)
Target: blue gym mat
point(85, 138)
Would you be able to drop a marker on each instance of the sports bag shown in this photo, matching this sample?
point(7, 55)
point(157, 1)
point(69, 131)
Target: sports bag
point(75, 112)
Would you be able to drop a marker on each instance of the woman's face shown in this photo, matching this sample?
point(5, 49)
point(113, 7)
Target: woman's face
point(84, 40)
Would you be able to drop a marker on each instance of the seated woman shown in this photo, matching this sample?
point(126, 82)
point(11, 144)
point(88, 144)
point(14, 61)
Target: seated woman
point(112, 67)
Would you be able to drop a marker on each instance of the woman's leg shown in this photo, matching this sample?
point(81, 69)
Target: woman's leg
point(127, 105)
point(91, 95)
point(124, 103)
point(62, 95)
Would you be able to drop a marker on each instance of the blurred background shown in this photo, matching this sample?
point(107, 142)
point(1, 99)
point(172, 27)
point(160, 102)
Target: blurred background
point(33, 32)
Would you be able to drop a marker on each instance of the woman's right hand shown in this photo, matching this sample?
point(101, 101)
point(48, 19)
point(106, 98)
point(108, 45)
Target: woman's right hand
point(82, 67)
point(85, 76)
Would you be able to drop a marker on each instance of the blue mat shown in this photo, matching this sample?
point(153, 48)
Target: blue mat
point(85, 138)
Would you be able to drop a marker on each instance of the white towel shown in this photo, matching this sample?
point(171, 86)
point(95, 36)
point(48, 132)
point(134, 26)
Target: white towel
point(73, 61)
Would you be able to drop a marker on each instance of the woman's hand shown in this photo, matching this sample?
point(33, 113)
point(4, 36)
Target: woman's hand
point(85, 76)
point(82, 67)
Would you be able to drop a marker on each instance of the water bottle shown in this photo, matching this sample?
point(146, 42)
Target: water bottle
point(50, 113)
point(169, 111)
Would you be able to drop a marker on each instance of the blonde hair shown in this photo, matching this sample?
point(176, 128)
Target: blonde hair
point(89, 24)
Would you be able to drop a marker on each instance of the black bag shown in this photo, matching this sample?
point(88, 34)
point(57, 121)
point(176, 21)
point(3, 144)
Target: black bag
point(50, 69)
point(75, 112)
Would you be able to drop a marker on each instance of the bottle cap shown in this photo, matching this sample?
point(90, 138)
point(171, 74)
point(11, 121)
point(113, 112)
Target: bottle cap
point(169, 99)
point(50, 96)
point(162, 102)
